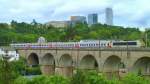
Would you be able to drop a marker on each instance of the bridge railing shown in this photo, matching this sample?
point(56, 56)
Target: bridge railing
point(94, 49)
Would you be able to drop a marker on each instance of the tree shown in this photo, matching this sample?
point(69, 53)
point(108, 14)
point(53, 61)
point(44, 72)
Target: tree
point(7, 74)
point(79, 78)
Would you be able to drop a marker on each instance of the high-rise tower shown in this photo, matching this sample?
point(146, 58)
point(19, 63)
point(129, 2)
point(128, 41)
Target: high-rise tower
point(92, 19)
point(109, 16)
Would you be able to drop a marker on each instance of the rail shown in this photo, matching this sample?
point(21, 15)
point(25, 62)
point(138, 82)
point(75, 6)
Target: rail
point(91, 49)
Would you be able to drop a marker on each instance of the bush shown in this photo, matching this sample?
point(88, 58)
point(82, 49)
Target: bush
point(78, 78)
point(18, 66)
point(22, 80)
point(134, 79)
point(39, 80)
point(95, 78)
point(42, 80)
point(57, 80)
point(33, 70)
point(90, 77)
point(83, 77)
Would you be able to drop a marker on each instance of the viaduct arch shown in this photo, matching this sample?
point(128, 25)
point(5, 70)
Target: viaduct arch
point(112, 64)
point(88, 62)
point(142, 65)
point(33, 59)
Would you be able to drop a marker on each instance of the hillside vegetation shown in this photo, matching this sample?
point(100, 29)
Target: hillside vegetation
point(24, 32)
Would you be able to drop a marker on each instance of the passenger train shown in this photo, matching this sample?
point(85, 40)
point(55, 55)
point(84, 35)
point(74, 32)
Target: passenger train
point(80, 44)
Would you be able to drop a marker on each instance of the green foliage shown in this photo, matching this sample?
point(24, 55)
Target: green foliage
point(24, 32)
point(95, 78)
point(39, 80)
point(78, 78)
point(18, 66)
point(42, 80)
point(57, 80)
point(7, 75)
point(83, 77)
point(91, 77)
point(134, 79)
point(33, 70)
point(22, 80)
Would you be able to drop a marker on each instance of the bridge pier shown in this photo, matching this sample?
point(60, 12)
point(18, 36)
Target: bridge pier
point(64, 71)
point(48, 69)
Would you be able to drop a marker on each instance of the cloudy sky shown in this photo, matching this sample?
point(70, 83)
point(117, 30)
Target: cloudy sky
point(133, 13)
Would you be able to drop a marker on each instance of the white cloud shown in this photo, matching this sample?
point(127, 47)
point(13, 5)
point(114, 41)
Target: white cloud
point(126, 12)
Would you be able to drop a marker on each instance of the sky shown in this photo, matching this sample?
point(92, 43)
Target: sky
point(128, 13)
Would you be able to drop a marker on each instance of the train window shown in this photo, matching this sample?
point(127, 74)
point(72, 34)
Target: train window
point(125, 43)
point(132, 43)
point(119, 43)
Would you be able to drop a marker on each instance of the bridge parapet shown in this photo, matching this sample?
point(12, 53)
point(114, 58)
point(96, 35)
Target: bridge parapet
point(92, 49)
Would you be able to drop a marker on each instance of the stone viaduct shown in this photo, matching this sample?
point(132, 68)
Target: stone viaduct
point(65, 61)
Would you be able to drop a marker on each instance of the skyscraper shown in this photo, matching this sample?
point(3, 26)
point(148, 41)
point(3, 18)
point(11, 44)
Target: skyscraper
point(109, 16)
point(81, 19)
point(77, 19)
point(92, 19)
